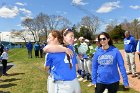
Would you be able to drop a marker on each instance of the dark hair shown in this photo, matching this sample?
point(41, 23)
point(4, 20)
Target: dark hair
point(64, 32)
point(107, 36)
point(57, 34)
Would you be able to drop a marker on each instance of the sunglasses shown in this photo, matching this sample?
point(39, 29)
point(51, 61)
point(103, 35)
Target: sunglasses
point(100, 39)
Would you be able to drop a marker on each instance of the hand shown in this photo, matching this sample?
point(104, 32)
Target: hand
point(69, 52)
point(138, 52)
point(80, 56)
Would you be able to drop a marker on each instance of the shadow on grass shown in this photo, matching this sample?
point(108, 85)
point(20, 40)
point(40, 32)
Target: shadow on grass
point(10, 61)
point(10, 80)
point(14, 74)
point(8, 67)
point(121, 88)
point(7, 85)
point(4, 92)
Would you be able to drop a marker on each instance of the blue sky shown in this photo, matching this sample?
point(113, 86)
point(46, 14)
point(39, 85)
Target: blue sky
point(12, 12)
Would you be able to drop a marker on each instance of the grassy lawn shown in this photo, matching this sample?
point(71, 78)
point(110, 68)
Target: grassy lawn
point(28, 76)
point(119, 45)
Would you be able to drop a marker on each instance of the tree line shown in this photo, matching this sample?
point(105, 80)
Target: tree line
point(88, 27)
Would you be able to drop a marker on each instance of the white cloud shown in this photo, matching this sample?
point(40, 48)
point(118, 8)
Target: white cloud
point(6, 12)
point(20, 4)
point(79, 2)
point(134, 7)
point(25, 11)
point(108, 7)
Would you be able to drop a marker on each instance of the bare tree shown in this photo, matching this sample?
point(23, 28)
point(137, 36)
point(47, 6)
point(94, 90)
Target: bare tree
point(42, 23)
point(133, 27)
point(92, 23)
point(111, 25)
point(31, 26)
point(19, 34)
point(57, 22)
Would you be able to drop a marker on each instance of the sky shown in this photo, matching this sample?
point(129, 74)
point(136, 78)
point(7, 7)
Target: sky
point(13, 12)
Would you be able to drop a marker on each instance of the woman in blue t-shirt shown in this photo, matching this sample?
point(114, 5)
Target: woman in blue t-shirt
point(62, 67)
point(105, 65)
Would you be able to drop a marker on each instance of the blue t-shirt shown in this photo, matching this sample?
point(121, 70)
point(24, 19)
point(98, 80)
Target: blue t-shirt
point(60, 67)
point(105, 66)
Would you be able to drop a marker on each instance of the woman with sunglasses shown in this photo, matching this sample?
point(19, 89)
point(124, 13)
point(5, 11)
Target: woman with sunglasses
point(64, 74)
point(105, 65)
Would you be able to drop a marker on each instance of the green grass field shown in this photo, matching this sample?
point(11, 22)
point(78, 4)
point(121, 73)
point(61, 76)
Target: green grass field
point(28, 75)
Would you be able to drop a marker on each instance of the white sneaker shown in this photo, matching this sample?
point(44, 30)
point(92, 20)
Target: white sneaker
point(90, 84)
point(85, 80)
point(105, 91)
point(81, 79)
point(78, 76)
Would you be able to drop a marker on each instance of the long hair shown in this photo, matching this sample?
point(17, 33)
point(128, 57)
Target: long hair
point(64, 32)
point(110, 42)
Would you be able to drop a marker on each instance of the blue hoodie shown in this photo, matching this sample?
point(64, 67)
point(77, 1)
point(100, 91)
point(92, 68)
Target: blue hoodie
point(105, 66)
point(29, 46)
point(130, 44)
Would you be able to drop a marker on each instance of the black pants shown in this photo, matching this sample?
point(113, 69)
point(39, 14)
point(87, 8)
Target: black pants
point(36, 53)
point(4, 64)
point(112, 88)
point(41, 53)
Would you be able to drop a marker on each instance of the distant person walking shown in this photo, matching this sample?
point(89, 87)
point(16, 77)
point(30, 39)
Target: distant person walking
point(4, 57)
point(29, 47)
point(130, 49)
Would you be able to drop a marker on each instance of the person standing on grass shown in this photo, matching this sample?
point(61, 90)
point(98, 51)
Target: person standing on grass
point(29, 47)
point(4, 58)
point(82, 49)
point(36, 49)
point(41, 49)
point(64, 66)
point(54, 38)
point(105, 64)
point(130, 49)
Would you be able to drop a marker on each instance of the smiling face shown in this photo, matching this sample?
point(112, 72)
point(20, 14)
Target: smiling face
point(103, 40)
point(69, 38)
